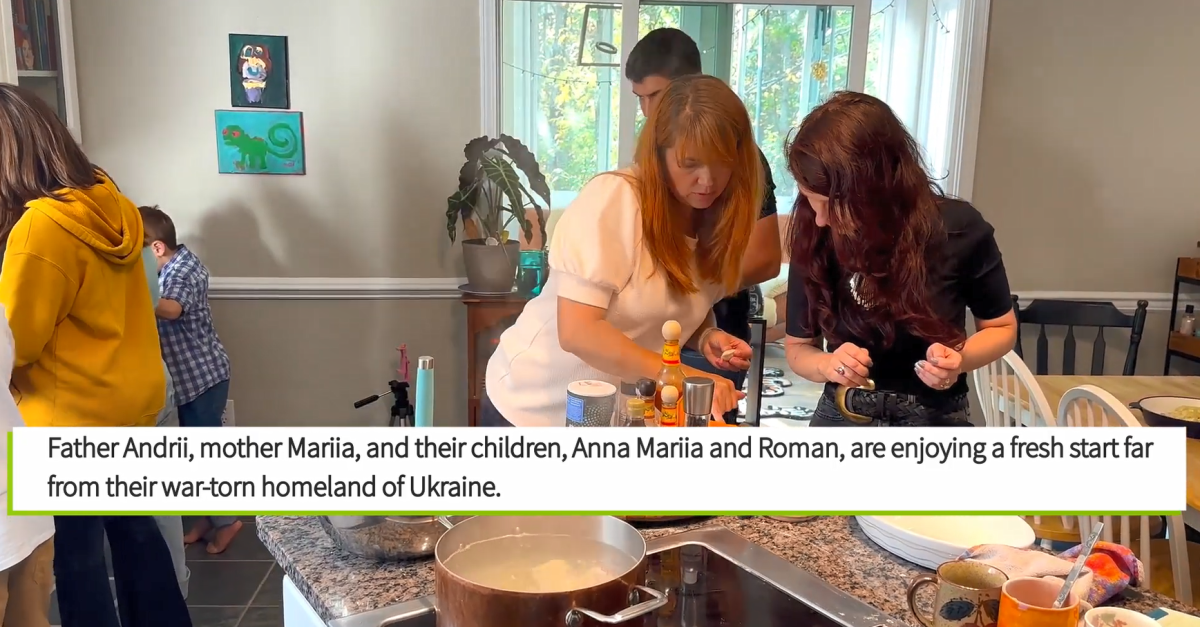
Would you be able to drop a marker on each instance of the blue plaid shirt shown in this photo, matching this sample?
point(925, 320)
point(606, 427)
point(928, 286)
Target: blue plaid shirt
point(193, 352)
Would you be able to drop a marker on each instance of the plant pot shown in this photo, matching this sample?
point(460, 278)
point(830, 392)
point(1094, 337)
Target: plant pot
point(491, 268)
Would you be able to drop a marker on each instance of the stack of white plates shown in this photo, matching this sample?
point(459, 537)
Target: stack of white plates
point(930, 541)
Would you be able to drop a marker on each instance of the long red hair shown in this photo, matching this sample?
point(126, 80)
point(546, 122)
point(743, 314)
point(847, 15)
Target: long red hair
point(702, 119)
point(884, 223)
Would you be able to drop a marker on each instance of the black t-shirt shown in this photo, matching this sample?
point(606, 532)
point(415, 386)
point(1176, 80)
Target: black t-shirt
point(969, 274)
point(732, 314)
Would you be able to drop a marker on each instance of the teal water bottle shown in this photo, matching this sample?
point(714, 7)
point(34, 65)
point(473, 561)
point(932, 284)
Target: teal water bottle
point(424, 400)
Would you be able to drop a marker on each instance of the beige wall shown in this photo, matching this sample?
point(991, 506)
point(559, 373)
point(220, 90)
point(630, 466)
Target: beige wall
point(1087, 142)
point(390, 94)
point(1085, 166)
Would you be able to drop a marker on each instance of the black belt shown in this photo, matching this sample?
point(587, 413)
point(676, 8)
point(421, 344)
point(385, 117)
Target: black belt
point(863, 406)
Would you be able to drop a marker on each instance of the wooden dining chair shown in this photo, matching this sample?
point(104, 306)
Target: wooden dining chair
point(1168, 564)
point(1010, 397)
point(1074, 313)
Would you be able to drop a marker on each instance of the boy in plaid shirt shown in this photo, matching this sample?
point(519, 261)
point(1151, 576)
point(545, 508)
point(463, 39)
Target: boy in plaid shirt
point(196, 359)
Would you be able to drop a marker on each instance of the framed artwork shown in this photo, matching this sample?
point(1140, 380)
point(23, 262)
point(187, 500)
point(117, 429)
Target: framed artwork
point(260, 142)
point(258, 71)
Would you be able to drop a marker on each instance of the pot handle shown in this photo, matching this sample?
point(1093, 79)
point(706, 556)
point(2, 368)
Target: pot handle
point(1136, 405)
point(657, 600)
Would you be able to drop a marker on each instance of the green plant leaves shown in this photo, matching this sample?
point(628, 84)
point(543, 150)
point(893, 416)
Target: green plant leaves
point(460, 204)
point(489, 168)
point(501, 173)
point(528, 164)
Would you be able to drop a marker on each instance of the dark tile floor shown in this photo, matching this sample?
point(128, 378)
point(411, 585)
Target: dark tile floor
point(242, 587)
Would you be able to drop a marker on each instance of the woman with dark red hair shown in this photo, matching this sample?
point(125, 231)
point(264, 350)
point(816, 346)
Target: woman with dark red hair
point(884, 267)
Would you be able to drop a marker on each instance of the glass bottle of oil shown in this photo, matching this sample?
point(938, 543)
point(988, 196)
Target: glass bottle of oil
point(671, 372)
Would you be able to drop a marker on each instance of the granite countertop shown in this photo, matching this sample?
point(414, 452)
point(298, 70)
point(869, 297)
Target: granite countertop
point(834, 548)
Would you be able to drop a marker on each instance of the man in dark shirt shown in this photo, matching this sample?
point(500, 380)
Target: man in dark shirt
point(661, 56)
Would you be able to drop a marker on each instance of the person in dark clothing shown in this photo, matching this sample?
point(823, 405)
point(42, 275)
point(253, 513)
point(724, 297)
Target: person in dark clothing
point(666, 54)
point(886, 267)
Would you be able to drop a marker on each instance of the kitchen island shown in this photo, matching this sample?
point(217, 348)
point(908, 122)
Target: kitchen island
point(835, 549)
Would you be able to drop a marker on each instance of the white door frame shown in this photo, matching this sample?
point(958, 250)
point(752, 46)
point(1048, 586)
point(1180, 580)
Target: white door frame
point(490, 58)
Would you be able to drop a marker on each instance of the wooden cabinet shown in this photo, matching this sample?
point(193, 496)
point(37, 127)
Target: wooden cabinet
point(37, 52)
point(487, 318)
point(1187, 272)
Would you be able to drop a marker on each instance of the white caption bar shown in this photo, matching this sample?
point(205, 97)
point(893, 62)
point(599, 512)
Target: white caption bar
point(451, 470)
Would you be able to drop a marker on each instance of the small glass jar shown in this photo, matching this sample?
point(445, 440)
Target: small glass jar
point(531, 272)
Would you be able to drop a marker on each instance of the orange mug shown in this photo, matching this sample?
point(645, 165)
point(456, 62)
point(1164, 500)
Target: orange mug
point(1029, 601)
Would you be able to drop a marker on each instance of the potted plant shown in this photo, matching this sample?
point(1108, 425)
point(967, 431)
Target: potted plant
point(491, 195)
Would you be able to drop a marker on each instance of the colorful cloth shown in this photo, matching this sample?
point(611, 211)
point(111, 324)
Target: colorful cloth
point(1113, 567)
point(1109, 570)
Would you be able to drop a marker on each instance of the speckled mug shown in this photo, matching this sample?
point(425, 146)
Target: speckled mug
point(968, 593)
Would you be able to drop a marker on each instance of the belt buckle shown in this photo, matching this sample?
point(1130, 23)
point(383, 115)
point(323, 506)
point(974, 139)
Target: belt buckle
point(840, 399)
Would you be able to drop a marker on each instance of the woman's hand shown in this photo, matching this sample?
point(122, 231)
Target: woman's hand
point(725, 396)
point(849, 365)
point(940, 368)
point(724, 350)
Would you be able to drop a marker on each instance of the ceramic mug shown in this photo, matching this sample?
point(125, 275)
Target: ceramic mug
point(968, 593)
point(1029, 601)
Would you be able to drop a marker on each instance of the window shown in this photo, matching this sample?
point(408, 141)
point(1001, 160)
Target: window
point(561, 76)
point(561, 87)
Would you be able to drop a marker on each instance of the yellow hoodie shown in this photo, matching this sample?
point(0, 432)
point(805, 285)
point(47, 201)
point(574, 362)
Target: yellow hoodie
point(75, 292)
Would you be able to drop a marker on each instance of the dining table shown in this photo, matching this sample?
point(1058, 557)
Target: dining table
point(1129, 390)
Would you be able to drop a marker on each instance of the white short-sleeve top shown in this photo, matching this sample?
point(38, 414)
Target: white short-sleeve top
point(597, 258)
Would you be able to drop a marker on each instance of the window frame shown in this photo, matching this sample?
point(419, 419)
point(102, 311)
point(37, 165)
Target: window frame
point(491, 37)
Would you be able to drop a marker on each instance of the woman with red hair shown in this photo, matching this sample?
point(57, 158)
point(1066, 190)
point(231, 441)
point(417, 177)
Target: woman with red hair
point(884, 267)
point(661, 240)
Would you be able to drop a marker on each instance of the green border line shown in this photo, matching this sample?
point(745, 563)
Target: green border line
point(585, 513)
point(12, 512)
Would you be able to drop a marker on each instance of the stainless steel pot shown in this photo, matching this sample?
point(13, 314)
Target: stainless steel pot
point(624, 599)
point(387, 538)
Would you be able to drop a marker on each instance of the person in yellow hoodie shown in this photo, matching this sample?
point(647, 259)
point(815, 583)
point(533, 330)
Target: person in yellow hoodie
point(86, 350)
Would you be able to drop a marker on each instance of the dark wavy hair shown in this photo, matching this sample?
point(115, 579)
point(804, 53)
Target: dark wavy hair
point(884, 215)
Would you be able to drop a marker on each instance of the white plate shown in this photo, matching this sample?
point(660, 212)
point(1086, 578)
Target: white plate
point(931, 541)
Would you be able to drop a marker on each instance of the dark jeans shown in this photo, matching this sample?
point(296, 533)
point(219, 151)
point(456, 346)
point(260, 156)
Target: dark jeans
point(205, 410)
point(489, 416)
point(827, 415)
point(147, 591)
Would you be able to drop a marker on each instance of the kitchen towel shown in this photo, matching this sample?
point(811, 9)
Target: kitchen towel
point(1107, 572)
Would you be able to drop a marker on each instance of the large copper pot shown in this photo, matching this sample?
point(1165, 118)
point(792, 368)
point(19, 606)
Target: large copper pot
point(623, 600)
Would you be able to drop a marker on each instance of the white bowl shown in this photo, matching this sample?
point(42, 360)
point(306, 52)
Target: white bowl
point(931, 541)
point(1109, 617)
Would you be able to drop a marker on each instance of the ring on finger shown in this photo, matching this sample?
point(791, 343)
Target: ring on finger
point(840, 370)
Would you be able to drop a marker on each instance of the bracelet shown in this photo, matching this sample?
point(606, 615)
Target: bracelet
point(704, 337)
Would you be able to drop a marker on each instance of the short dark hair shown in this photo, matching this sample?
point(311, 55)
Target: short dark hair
point(158, 227)
point(666, 52)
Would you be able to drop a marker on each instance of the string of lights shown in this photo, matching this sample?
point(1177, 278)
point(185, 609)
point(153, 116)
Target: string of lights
point(937, 17)
point(742, 28)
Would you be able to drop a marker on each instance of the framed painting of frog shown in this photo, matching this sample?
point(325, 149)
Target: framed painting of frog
point(260, 142)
